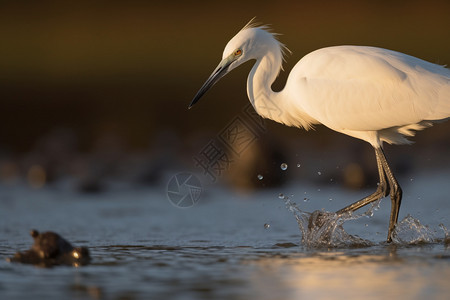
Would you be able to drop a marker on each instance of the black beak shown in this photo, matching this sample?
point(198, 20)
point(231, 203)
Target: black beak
point(221, 70)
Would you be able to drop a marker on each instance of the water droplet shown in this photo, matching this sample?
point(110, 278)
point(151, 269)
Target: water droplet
point(284, 166)
point(331, 199)
point(260, 177)
point(266, 226)
point(366, 225)
point(298, 165)
point(305, 199)
point(376, 205)
point(319, 173)
point(412, 179)
point(318, 190)
point(331, 179)
point(281, 196)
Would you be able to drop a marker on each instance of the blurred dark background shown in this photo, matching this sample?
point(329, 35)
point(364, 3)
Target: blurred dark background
point(96, 89)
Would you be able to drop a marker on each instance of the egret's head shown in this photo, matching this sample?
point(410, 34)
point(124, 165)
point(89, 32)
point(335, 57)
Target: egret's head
point(252, 42)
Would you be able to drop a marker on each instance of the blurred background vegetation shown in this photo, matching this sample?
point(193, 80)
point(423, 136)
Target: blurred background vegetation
point(90, 82)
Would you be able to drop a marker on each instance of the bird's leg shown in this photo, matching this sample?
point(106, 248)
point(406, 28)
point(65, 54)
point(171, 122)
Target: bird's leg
point(395, 193)
point(382, 189)
point(391, 187)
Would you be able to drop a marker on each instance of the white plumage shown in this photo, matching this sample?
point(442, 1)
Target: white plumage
point(355, 89)
point(370, 93)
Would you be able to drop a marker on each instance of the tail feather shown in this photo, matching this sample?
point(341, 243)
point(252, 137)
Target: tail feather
point(399, 134)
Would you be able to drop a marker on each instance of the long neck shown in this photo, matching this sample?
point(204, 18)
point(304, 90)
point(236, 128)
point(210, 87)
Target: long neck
point(259, 86)
point(277, 106)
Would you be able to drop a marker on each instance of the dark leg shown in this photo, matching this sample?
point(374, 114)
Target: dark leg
point(383, 190)
point(395, 193)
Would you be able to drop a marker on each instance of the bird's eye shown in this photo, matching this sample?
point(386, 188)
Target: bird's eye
point(237, 52)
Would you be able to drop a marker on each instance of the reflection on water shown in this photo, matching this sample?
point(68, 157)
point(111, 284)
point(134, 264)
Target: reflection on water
point(357, 276)
point(227, 247)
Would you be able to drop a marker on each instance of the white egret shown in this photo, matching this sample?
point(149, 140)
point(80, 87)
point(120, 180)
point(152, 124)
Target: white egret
point(369, 93)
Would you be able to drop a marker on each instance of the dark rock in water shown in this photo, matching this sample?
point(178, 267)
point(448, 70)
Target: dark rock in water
point(50, 249)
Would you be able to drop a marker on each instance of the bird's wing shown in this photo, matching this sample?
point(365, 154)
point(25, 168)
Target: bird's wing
point(367, 88)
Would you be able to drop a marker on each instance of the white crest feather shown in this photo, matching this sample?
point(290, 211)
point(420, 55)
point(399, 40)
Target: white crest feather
point(266, 27)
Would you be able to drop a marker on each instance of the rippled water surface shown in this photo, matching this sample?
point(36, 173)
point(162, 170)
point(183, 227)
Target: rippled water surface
point(228, 246)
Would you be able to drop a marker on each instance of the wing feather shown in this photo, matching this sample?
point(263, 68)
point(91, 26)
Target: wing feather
point(368, 88)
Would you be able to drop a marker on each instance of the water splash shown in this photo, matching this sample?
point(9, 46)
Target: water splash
point(325, 229)
point(447, 234)
point(411, 231)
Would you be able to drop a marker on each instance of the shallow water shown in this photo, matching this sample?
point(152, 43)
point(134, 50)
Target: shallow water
point(227, 246)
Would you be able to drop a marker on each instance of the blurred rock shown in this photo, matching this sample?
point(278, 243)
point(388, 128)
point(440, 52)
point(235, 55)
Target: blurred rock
point(90, 185)
point(263, 157)
point(36, 176)
point(353, 176)
point(9, 171)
